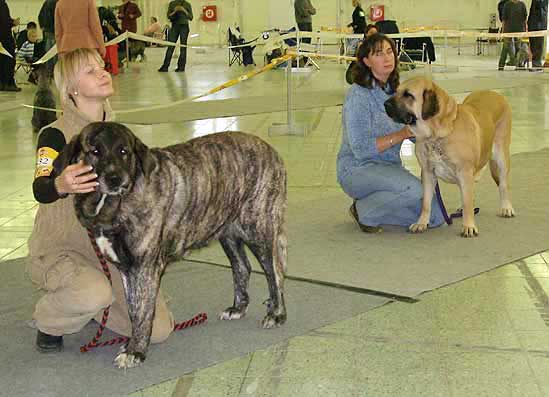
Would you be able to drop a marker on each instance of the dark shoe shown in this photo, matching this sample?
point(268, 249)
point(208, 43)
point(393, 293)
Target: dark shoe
point(12, 88)
point(48, 343)
point(180, 70)
point(364, 228)
point(163, 69)
point(500, 67)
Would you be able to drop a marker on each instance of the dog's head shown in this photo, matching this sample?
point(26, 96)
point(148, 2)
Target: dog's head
point(420, 100)
point(117, 156)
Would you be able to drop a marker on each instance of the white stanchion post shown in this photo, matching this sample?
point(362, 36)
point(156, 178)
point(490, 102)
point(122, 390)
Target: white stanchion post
point(445, 50)
point(290, 127)
point(127, 52)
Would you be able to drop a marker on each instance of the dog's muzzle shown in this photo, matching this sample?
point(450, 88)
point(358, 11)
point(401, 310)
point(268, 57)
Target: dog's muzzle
point(113, 184)
point(398, 114)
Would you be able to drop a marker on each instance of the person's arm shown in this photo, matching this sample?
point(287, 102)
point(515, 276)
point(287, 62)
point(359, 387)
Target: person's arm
point(58, 26)
point(359, 127)
point(388, 141)
point(171, 9)
point(310, 9)
point(95, 27)
point(135, 12)
point(189, 11)
point(50, 143)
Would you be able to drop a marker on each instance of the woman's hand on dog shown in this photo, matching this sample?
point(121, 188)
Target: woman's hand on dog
point(76, 178)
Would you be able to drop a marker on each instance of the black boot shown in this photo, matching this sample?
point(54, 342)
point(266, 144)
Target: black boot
point(48, 343)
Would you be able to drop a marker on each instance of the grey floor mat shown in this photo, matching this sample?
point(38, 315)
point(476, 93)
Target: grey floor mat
point(324, 243)
point(191, 288)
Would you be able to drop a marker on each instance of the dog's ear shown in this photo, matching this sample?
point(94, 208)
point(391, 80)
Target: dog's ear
point(69, 155)
point(430, 104)
point(145, 162)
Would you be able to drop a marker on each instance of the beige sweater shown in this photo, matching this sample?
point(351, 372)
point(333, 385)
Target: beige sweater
point(56, 228)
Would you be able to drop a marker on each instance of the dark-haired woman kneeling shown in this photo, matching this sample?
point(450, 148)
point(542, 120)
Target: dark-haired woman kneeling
point(369, 167)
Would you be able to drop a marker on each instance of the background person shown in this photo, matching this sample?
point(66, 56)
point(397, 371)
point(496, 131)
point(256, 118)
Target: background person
point(128, 13)
point(537, 20)
point(369, 167)
point(62, 260)
point(26, 52)
point(77, 26)
point(514, 20)
point(22, 36)
point(7, 64)
point(304, 11)
point(153, 28)
point(359, 19)
point(180, 13)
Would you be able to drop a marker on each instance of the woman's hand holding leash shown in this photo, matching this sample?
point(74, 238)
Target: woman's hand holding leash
point(76, 178)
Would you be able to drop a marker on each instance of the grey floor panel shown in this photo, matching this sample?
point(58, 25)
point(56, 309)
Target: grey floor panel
point(191, 288)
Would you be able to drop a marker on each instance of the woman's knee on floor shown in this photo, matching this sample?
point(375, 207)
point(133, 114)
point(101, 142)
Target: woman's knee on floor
point(91, 291)
point(162, 326)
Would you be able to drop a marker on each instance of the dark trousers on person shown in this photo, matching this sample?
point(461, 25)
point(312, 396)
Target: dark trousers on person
point(305, 27)
point(181, 32)
point(536, 46)
point(7, 64)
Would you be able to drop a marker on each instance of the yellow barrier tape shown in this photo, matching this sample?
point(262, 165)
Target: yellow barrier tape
point(227, 84)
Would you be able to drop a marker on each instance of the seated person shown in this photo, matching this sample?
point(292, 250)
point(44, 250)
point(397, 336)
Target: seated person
point(153, 28)
point(22, 36)
point(26, 52)
point(369, 167)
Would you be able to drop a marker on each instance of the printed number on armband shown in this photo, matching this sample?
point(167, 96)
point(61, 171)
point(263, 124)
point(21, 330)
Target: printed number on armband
point(44, 161)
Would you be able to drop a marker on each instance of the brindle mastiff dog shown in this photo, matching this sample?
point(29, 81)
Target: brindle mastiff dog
point(153, 205)
point(455, 141)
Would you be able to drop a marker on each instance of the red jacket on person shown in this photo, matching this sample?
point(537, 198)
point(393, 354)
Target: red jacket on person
point(128, 14)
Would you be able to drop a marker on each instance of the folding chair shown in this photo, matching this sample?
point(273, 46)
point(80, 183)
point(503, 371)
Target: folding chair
point(243, 54)
point(235, 54)
point(482, 42)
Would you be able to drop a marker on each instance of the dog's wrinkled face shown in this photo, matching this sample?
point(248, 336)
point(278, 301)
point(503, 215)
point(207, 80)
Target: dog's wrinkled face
point(415, 99)
point(117, 156)
point(109, 149)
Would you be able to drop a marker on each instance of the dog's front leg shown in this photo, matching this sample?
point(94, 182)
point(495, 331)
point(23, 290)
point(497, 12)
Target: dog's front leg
point(428, 181)
point(466, 186)
point(141, 285)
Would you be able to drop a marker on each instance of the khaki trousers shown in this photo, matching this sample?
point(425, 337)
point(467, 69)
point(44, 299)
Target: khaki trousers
point(78, 291)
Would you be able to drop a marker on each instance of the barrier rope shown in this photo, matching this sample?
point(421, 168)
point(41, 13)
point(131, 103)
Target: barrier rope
point(196, 320)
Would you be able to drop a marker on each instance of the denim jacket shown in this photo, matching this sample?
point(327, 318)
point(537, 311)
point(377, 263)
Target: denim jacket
point(364, 120)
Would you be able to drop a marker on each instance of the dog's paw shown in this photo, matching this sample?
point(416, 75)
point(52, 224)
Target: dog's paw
point(418, 228)
point(273, 320)
point(129, 360)
point(233, 313)
point(506, 212)
point(469, 231)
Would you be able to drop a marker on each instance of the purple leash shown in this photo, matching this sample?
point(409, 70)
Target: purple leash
point(449, 218)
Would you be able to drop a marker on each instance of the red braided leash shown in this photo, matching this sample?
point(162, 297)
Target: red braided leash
point(196, 320)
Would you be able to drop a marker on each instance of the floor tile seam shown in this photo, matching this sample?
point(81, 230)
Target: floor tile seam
point(524, 351)
point(12, 251)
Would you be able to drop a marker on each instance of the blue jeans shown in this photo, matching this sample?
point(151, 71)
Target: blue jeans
point(387, 194)
point(180, 32)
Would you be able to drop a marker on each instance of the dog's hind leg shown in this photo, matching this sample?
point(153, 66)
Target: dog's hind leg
point(234, 249)
point(272, 255)
point(500, 164)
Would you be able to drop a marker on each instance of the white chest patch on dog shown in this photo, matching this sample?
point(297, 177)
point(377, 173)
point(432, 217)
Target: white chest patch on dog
point(100, 204)
point(439, 162)
point(106, 249)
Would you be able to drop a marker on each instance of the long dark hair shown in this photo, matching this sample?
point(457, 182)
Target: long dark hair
point(362, 74)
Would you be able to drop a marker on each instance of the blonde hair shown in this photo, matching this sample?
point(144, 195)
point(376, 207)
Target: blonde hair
point(68, 66)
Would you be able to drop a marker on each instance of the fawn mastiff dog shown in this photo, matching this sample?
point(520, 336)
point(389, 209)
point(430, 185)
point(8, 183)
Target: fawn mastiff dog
point(454, 142)
point(153, 205)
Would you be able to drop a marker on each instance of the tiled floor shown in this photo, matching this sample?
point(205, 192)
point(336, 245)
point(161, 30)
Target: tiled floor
point(486, 336)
